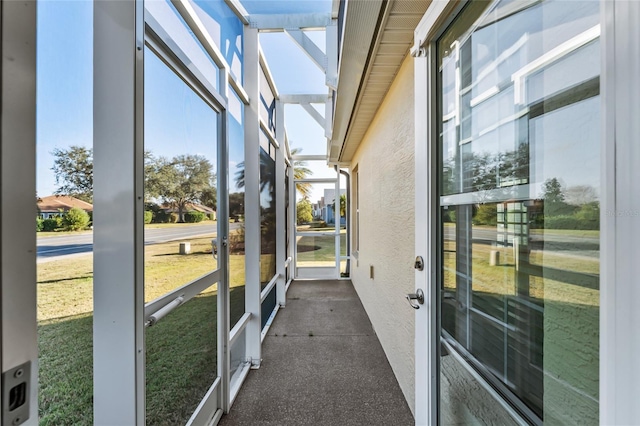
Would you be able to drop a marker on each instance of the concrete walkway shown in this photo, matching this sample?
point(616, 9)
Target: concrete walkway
point(322, 365)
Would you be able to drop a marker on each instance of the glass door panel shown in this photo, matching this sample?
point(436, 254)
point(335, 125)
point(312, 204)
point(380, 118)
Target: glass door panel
point(320, 225)
point(519, 211)
point(181, 259)
point(181, 359)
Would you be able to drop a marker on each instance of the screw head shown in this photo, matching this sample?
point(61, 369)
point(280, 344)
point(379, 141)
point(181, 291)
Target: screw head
point(18, 373)
point(16, 421)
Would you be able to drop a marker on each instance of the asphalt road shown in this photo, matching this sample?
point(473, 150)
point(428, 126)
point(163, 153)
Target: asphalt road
point(65, 245)
point(588, 246)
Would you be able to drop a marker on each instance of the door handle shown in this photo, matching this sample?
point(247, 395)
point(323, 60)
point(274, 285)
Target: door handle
point(419, 296)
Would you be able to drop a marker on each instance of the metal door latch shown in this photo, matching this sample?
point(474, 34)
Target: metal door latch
point(419, 296)
point(16, 394)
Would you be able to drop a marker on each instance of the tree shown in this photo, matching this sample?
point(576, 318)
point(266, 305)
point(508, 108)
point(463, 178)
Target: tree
point(554, 199)
point(209, 197)
point(301, 171)
point(580, 194)
point(76, 219)
point(182, 180)
point(552, 191)
point(486, 214)
point(343, 205)
point(236, 205)
point(73, 169)
point(303, 211)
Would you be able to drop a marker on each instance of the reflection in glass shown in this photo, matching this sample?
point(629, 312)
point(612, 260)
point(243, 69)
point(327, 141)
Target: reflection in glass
point(519, 179)
point(236, 209)
point(227, 31)
point(164, 18)
point(267, 307)
point(267, 102)
point(181, 354)
point(180, 224)
point(180, 181)
point(267, 210)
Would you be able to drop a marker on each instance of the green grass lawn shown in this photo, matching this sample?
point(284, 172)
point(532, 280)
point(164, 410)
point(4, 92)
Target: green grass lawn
point(180, 349)
point(570, 323)
point(320, 249)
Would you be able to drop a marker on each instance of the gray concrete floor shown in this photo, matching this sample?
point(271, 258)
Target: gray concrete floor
point(322, 364)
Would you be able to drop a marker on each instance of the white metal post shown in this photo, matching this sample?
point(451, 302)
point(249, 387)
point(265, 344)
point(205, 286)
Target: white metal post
point(17, 192)
point(292, 222)
point(281, 225)
point(336, 218)
point(252, 194)
point(620, 214)
point(224, 349)
point(118, 351)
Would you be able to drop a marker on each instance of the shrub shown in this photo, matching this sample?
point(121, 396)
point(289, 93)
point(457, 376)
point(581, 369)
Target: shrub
point(212, 216)
point(164, 217)
point(560, 222)
point(236, 241)
point(148, 217)
point(486, 214)
point(76, 219)
point(51, 224)
point(194, 217)
point(39, 224)
point(161, 217)
point(569, 222)
point(589, 216)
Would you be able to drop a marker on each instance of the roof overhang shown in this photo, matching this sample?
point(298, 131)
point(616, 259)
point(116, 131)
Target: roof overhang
point(377, 36)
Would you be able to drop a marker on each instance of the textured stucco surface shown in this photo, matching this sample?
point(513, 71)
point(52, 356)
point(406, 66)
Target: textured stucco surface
point(385, 162)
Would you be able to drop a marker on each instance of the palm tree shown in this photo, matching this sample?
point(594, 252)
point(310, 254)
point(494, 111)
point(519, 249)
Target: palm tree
point(301, 171)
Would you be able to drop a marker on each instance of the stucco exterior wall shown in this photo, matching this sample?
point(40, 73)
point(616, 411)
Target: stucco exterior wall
point(385, 165)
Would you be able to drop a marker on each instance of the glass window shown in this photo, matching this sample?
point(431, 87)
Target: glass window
point(519, 183)
point(227, 31)
point(267, 102)
point(180, 181)
point(236, 209)
point(267, 210)
point(166, 21)
point(181, 360)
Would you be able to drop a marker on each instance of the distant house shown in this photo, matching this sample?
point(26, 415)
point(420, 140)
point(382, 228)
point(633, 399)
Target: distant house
point(325, 206)
point(58, 205)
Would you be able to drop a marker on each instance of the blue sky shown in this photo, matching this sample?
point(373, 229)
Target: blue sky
point(177, 121)
point(64, 82)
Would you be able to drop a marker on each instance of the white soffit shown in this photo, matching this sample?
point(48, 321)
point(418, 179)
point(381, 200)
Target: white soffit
point(377, 37)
